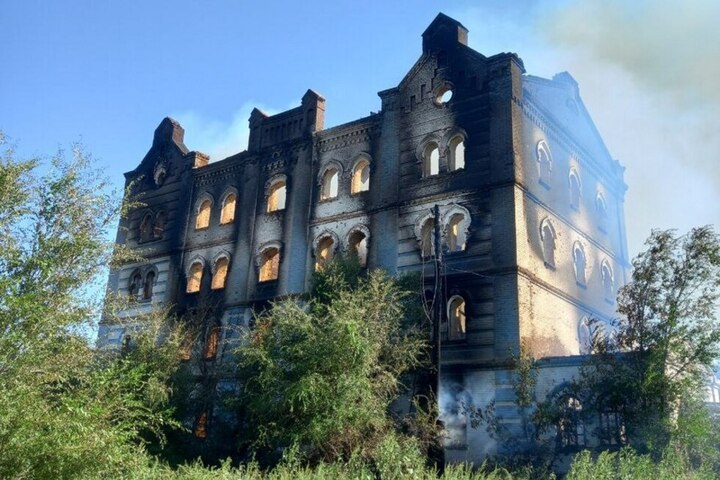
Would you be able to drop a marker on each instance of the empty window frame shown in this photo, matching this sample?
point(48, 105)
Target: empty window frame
point(602, 214)
point(211, 343)
point(456, 318)
point(570, 426)
point(427, 238)
point(324, 253)
point(269, 264)
point(430, 160)
point(202, 218)
point(277, 194)
point(544, 161)
point(358, 243)
point(201, 424)
point(160, 222)
point(220, 271)
point(547, 236)
point(194, 278)
point(135, 285)
point(579, 263)
point(457, 153)
point(360, 177)
point(575, 190)
point(149, 284)
point(146, 228)
point(456, 233)
point(608, 280)
point(585, 336)
point(227, 213)
point(329, 184)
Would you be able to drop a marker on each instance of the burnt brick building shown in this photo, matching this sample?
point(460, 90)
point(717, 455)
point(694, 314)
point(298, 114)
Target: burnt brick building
point(531, 214)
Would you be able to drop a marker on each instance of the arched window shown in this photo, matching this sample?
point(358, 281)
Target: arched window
point(456, 233)
point(146, 228)
point(427, 240)
point(324, 253)
point(227, 214)
point(456, 318)
point(585, 336)
point(579, 263)
point(194, 277)
point(149, 284)
point(200, 429)
point(602, 214)
point(160, 221)
point(211, 345)
point(361, 177)
point(575, 191)
point(202, 220)
point(358, 246)
point(547, 235)
point(431, 160)
point(220, 273)
point(570, 426)
point(457, 153)
point(269, 264)
point(544, 161)
point(135, 284)
point(186, 349)
point(329, 187)
point(608, 280)
point(276, 196)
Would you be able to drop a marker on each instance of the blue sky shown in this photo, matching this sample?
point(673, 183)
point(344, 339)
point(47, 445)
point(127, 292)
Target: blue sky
point(107, 73)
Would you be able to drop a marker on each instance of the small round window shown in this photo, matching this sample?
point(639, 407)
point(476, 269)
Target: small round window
point(443, 95)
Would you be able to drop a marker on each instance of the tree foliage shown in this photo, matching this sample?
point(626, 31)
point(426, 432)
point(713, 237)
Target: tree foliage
point(67, 410)
point(657, 358)
point(323, 374)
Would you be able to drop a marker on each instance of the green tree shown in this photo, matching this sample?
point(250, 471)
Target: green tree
point(654, 365)
point(322, 374)
point(67, 410)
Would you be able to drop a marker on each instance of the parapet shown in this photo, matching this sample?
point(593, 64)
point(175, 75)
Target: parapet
point(308, 118)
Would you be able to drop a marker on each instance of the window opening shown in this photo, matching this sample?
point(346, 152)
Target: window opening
point(269, 265)
point(211, 345)
point(220, 276)
point(602, 212)
point(544, 162)
point(160, 221)
point(329, 184)
point(457, 153)
point(455, 233)
point(579, 263)
point(276, 197)
point(227, 215)
point(203, 215)
point(574, 191)
point(195, 278)
point(146, 228)
point(358, 247)
point(201, 426)
point(456, 317)
point(607, 280)
point(427, 240)
point(548, 243)
point(135, 283)
point(148, 288)
point(571, 429)
point(361, 177)
point(431, 160)
point(325, 252)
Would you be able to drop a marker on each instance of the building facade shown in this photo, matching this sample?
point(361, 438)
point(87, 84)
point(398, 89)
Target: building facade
point(531, 215)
